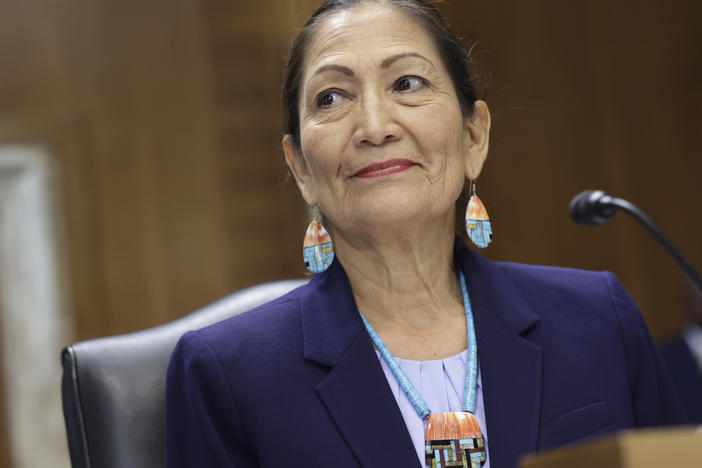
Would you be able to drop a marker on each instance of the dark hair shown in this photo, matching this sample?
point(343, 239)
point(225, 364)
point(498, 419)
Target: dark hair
point(455, 57)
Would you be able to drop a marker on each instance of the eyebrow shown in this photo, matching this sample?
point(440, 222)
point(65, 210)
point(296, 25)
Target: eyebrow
point(385, 64)
point(345, 70)
point(390, 60)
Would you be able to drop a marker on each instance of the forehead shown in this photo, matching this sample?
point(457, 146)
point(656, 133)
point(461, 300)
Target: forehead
point(371, 32)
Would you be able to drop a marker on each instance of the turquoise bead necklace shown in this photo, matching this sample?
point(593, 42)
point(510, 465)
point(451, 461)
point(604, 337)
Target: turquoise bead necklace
point(451, 436)
point(471, 382)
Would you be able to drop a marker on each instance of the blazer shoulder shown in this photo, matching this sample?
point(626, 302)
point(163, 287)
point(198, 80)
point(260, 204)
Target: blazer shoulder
point(574, 295)
point(547, 275)
point(269, 326)
point(560, 280)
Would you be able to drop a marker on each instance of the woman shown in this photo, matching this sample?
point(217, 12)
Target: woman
point(378, 352)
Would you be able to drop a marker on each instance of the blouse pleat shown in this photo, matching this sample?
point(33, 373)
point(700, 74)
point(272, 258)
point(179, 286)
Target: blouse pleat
point(441, 384)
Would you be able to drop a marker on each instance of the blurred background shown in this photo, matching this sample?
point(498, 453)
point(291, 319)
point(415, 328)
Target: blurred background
point(141, 171)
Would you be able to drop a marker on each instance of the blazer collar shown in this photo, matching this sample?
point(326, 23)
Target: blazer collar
point(490, 289)
point(330, 319)
point(356, 391)
point(510, 364)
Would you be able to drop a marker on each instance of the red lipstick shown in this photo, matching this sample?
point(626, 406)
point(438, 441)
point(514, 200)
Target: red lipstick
point(385, 168)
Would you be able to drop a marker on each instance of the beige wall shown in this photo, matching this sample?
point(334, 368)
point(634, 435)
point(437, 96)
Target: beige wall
point(165, 121)
point(4, 436)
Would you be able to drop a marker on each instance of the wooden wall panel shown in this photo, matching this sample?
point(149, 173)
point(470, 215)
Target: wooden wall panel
point(121, 91)
point(159, 223)
point(247, 45)
point(593, 95)
point(166, 122)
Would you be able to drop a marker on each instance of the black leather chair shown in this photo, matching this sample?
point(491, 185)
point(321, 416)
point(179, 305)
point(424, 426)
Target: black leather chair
point(113, 389)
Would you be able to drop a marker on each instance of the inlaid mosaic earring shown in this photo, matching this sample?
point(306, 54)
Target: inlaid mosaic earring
point(478, 224)
point(317, 249)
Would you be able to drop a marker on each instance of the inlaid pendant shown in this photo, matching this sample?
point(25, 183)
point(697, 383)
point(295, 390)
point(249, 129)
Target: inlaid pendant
point(478, 224)
point(454, 439)
point(317, 249)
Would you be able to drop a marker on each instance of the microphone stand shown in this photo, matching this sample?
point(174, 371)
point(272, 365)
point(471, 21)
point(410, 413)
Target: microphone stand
point(633, 211)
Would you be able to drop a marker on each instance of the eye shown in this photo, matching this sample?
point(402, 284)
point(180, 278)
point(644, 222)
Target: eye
point(329, 98)
point(409, 83)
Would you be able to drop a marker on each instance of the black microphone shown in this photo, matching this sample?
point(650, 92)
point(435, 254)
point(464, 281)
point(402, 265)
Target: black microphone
point(591, 208)
point(594, 207)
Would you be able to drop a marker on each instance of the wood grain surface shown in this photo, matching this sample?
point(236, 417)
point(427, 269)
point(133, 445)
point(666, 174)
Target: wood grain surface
point(165, 120)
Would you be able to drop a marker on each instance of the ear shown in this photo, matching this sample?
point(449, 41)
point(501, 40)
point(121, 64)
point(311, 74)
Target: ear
point(298, 166)
point(476, 139)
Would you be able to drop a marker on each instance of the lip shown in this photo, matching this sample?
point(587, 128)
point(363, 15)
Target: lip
point(385, 168)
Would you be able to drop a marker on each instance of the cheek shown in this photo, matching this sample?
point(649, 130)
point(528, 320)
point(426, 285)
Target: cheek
point(440, 134)
point(322, 150)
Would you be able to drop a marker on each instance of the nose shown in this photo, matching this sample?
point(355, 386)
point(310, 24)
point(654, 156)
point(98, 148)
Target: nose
point(376, 124)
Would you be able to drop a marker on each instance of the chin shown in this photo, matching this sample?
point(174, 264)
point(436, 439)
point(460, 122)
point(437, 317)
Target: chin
point(396, 211)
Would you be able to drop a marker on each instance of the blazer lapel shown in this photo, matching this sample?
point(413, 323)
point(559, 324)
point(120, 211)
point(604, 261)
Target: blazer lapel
point(355, 392)
point(510, 365)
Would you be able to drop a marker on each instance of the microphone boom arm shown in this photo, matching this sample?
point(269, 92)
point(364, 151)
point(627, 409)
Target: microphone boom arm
point(633, 211)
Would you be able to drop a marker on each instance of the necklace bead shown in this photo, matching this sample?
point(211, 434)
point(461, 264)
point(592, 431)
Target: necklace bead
point(471, 381)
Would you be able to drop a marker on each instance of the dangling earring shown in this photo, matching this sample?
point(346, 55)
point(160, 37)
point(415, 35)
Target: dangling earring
point(478, 224)
point(317, 249)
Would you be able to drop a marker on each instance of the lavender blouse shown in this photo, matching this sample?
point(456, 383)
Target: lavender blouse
point(441, 383)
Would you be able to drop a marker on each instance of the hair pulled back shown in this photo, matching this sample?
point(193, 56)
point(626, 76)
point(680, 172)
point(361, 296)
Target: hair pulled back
point(454, 56)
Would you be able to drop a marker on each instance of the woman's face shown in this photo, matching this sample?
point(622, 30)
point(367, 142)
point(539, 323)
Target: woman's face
point(382, 138)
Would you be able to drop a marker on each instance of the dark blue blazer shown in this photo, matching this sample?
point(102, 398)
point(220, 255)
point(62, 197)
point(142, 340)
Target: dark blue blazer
point(564, 355)
point(686, 375)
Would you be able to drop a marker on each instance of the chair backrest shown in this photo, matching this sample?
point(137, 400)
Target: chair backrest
point(113, 389)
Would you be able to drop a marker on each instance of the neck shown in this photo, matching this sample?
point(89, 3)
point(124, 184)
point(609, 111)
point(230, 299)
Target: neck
point(402, 275)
